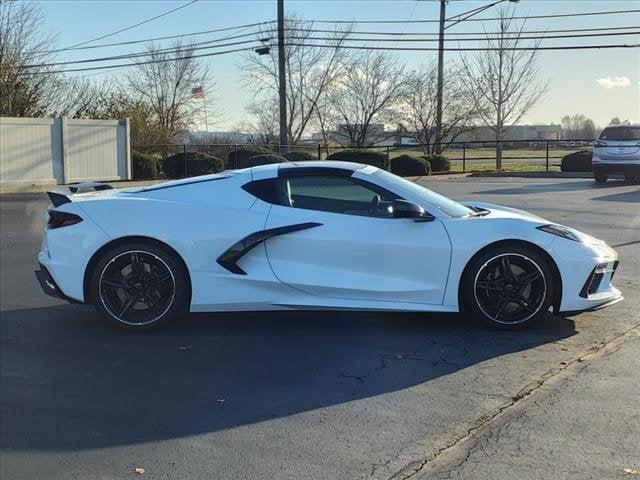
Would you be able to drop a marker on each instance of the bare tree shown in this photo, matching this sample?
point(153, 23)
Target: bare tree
point(310, 73)
point(461, 105)
point(367, 97)
point(29, 84)
point(506, 76)
point(113, 101)
point(263, 129)
point(617, 121)
point(326, 117)
point(163, 80)
point(25, 88)
point(578, 127)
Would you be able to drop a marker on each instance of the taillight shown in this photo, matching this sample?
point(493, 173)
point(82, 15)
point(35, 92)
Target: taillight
point(62, 219)
point(600, 143)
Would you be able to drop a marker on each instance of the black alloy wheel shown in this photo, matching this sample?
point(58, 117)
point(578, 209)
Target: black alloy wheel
point(508, 289)
point(139, 287)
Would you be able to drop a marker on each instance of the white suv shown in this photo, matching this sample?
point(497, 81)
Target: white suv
point(617, 151)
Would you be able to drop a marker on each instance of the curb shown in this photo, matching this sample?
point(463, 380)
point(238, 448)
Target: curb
point(533, 174)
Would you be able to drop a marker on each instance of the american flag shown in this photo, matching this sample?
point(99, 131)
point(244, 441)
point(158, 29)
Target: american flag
point(197, 92)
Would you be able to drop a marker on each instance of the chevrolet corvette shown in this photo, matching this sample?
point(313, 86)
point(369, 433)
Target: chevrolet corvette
point(315, 235)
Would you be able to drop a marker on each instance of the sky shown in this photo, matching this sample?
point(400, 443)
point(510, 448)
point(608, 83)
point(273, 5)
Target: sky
point(600, 84)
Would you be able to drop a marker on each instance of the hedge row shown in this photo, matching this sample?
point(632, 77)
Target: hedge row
point(148, 166)
point(145, 166)
point(240, 158)
point(579, 161)
point(196, 164)
point(367, 157)
point(438, 163)
point(409, 166)
point(299, 156)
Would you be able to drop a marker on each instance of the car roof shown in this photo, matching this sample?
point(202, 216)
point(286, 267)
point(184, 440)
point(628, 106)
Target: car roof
point(330, 164)
point(626, 125)
point(311, 167)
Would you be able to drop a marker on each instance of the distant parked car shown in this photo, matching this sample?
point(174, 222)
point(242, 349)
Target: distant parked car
point(617, 151)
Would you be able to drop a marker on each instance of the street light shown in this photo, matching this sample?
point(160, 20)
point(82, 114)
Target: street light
point(455, 19)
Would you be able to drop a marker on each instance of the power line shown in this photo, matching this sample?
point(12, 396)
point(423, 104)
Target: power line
point(198, 47)
point(567, 30)
point(132, 64)
point(313, 30)
point(186, 48)
point(560, 15)
point(396, 40)
point(352, 47)
point(153, 39)
point(131, 26)
point(406, 24)
point(472, 49)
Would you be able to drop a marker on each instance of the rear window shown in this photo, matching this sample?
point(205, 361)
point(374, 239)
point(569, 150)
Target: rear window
point(620, 133)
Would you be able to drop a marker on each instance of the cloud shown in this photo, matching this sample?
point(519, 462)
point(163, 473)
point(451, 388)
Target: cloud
point(613, 82)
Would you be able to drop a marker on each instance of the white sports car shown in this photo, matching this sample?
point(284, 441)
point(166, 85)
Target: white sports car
point(315, 235)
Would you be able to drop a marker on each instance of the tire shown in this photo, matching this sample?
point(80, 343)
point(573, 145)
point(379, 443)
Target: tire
point(631, 178)
point(140, 286)
point(512, 301)
point(600, 177)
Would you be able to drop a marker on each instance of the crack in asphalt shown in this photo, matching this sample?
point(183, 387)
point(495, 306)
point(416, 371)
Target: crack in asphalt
point(413, 357)
point(416, 467)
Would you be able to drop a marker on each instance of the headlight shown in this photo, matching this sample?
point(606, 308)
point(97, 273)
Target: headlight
point(564, 232)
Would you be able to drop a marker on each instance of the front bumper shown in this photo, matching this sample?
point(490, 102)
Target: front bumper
point(49, 285)
point(586, 271)
point(608, 303)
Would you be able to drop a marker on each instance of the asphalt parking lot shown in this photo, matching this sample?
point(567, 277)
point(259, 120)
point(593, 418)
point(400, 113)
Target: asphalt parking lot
point(318, 395)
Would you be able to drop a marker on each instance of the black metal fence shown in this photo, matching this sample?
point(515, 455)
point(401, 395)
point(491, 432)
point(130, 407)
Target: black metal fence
point(521, 155)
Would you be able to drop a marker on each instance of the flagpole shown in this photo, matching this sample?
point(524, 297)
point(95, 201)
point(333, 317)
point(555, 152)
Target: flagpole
point(206, 121)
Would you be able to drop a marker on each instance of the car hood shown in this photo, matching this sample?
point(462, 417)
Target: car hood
point(500, 211)
point(504, 212)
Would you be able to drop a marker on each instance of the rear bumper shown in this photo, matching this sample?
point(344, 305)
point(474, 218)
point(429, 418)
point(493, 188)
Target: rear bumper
point(49, 285)
point(620, 168)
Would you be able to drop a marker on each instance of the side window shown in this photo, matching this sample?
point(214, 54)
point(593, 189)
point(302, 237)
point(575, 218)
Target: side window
point(338, 195)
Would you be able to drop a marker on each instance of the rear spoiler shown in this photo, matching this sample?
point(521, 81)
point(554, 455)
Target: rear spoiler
point(60, 197)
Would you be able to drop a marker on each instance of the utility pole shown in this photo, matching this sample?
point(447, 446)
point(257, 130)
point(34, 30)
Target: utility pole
point(456, 19)
point(282, 86)
point(443, 8)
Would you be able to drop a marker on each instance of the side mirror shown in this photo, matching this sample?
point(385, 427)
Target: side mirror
point(405, 209)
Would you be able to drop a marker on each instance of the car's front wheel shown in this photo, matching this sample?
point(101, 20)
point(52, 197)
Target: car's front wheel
point(139, 286)
point(508, 287)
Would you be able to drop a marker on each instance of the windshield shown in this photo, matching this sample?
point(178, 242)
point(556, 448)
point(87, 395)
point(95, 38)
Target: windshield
point(425, 196)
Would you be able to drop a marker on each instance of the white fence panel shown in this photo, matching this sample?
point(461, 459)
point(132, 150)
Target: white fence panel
point(92, 150)
point(60, 150)
point(30, 151)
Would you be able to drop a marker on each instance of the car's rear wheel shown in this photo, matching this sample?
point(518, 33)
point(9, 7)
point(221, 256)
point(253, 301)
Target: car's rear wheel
point(600, 177)
point(508, 287)
point(632, 178)
point(139, 286)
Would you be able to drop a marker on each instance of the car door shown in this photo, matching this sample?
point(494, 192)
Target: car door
point(349, 246)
